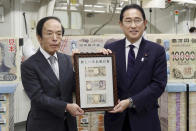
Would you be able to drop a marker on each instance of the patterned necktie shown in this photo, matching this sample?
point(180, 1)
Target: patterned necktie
point(52, 60)
point(131, 60)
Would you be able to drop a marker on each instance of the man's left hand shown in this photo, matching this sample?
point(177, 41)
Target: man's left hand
point(121, 106)
point(104, 51)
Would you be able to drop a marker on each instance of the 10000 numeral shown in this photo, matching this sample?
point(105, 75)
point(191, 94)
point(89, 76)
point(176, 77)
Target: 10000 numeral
point(183, 56)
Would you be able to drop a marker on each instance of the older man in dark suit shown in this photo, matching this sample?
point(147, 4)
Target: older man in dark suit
point(141, 76)
point(48, 80)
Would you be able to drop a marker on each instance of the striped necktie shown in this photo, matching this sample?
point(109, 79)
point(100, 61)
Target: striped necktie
point(52, 60)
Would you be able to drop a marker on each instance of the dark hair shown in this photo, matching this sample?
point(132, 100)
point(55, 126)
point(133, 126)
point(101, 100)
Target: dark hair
point(41, 22)
point(192, 29)
point(132, 6)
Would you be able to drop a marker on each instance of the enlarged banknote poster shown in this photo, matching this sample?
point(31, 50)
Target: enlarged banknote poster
point(95, 81)
point(86, 44)
point(183, 58)
point(180, 54)
point(9, 62)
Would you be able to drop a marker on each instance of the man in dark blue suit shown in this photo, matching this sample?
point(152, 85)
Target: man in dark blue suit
point(48, 80)
point(141, 76)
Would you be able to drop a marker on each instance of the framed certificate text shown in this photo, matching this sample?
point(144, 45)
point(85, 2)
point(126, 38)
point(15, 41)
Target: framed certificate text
point(96, 88)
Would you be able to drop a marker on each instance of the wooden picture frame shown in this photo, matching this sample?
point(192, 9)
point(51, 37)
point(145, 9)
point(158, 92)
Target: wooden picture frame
point(96, 88)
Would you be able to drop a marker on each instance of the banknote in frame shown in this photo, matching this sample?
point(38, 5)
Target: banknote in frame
point(96, 88)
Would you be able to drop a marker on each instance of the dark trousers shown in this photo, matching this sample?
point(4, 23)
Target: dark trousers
point(126, 123)
point(65, 123)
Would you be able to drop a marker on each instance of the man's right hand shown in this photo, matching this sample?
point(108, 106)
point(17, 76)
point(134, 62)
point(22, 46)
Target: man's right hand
point(104, 51)
point(74, 109)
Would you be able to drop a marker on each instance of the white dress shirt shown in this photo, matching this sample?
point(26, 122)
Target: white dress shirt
point(135, 49)
point(47, 56)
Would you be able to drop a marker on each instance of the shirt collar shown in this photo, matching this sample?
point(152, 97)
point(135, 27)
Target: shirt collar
point(46, 55)
point(136, 44)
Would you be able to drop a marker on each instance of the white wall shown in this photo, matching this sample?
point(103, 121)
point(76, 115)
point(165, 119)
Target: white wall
point(31, 11)
point(96, 20)
point(5, 27)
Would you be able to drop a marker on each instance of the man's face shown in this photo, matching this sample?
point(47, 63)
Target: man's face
point(133, 24)
point(51, 36)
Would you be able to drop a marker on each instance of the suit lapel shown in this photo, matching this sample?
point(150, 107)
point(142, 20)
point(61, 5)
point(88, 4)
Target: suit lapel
point(140, 60)
point(45, 67)
point(121, 63)
point(62, 66)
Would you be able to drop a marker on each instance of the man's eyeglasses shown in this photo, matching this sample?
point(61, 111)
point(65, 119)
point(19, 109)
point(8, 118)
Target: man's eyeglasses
point(129, 22)
point(52, 34)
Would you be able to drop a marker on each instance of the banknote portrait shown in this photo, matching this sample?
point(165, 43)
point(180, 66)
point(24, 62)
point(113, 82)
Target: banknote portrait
point(96, 98)
point(96, 85)
point(95, 81)
point(95, 71)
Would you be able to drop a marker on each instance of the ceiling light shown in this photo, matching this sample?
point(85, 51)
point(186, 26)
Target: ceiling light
point(119, 8)
point(99, 11)
point(88, 10)
point(88, 5)
point(185, 1)
point(75, 5)
point(98, 6)
point(122, 3)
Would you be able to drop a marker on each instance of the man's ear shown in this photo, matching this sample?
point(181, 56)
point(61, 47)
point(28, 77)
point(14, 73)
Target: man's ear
point(121, 24)
point(145, 24)
point(39, 38)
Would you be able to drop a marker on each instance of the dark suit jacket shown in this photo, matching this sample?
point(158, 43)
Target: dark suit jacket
point(49, 96)
point(148, 81)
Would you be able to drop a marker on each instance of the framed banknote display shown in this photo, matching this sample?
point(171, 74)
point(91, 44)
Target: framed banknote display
point(96, 88)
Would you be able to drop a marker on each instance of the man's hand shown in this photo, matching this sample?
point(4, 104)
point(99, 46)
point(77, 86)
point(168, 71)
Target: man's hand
point(121, 106)
point(104, 51)
point(74, 109)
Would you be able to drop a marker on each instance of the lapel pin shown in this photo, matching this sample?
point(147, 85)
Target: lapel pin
point(145, 54)
point(142, 59)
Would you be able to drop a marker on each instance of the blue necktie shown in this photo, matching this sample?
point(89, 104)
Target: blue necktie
point(131, 60)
